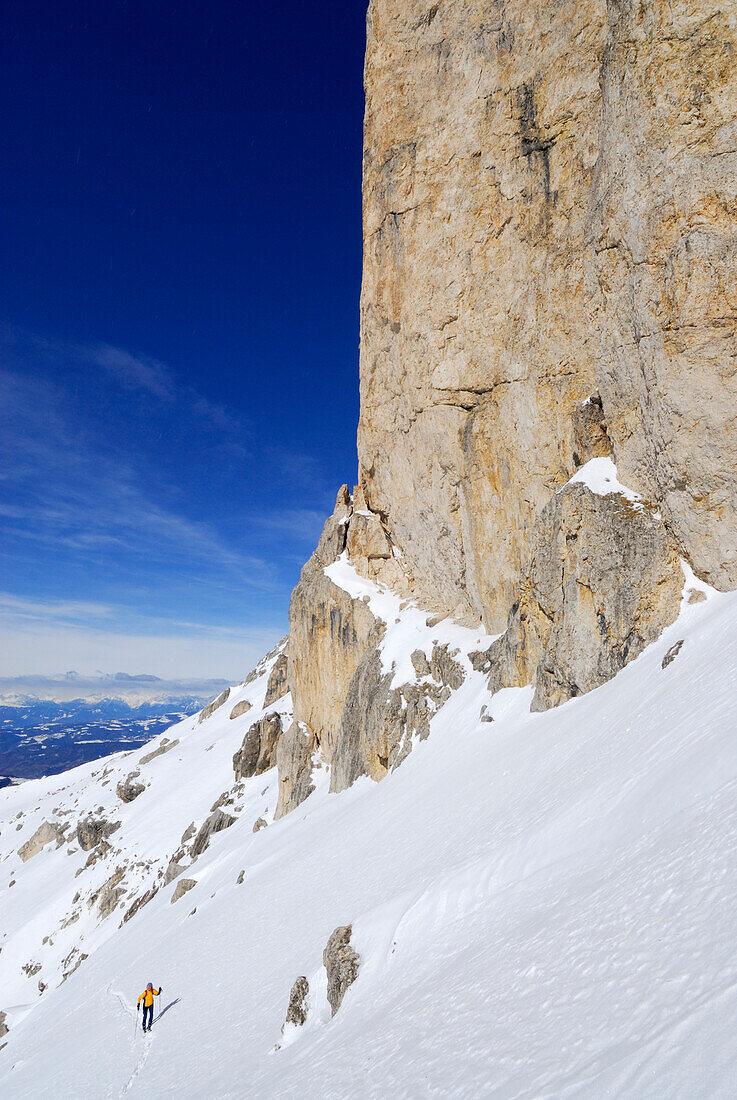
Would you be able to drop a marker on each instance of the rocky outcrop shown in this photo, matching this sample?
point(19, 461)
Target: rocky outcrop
point(258, 752)
point(549, 271)
point(328, 635)
point(93, 831)
point(297, 1009)
point(3, 1026)
point(215, 823)
point(341, 964)
point(603, 581)
point(44, 834)
point(128, 789)
point(165, 746)
point(278, 683)
point(182, 887)
point(294, 752)
point(210, 709)
point(240, 709)
point(379, 722)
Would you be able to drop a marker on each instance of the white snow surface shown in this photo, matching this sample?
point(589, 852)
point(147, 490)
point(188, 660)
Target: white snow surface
point(600, 476)
point(543, 905)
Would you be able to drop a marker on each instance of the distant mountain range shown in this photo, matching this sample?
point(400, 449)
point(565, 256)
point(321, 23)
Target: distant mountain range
point(71, 687)
point(50, 724)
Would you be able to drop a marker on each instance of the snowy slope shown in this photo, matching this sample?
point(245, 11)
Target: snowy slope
point(543, 905)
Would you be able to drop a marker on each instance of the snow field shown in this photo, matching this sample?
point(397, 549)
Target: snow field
point(543, 905)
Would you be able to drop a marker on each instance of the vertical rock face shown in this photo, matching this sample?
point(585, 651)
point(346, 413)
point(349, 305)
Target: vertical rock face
point(550, 208)
point(550, 274)
point(278, 684)
point(480, 152)
point(662, 266)
point(603, 581)
point(328, 633)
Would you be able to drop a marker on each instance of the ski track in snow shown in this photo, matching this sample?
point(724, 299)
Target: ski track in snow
point(147, 1039)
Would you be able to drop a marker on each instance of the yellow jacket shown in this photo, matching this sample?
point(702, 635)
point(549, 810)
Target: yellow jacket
point(148, 997)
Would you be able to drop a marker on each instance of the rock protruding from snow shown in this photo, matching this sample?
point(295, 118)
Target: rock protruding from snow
point(278, 684)
point(294, 753)
point(603, 582)
point(129, 789)
point(381, 721)
point(139, 903)
point(258, 752)
point(165, 746)
point(109, 893)
point(328, 635)
point(44, 834)
point(297, 1008)
point(91, 831)
point(240, 709)
point(341, 964)
point(72, 962)
point(215, 823)
point(182, 887)
point(210, 709)
point(672, 653)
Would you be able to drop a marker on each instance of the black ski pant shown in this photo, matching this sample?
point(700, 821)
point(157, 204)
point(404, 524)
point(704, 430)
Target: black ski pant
point(150, 1010)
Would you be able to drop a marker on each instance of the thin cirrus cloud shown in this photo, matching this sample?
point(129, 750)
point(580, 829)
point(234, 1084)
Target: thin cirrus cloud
point(135, 371)
point(132, 371)
point(140, 526)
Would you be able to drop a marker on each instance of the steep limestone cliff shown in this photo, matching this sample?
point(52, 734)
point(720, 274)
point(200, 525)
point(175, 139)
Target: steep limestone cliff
point(550, 251)
point(550, 208)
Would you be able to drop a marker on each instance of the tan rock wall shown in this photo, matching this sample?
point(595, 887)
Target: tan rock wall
point(549, 208)
point(603, 581)
point(662, 266)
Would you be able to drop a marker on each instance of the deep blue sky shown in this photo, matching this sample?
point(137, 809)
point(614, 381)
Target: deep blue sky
point(179, 270)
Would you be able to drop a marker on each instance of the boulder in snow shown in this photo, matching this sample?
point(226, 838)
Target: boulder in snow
point(297, 1009)
point(182, 887)
point(44, 835)
point(341, 963)
point(240, 709)
point(91, 831)
point(128, 789)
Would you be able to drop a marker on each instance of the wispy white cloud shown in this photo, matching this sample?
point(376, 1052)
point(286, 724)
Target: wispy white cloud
point(134, 371)
point(16, 608)
point(131, 369)
point(81, 493)
point(32, 649)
